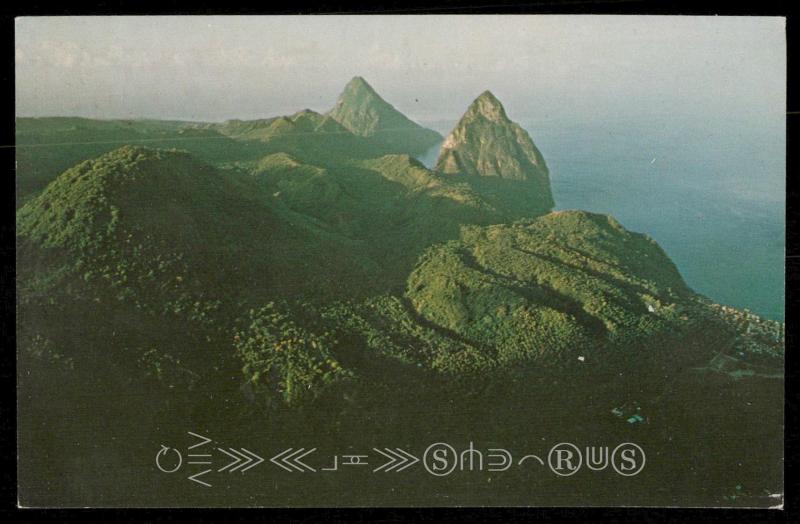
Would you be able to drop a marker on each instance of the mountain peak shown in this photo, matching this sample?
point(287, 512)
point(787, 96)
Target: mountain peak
point(486, 143)
point(305, 112)
point(488, 106)
point(358, 82)
point(488, 96)
point(358, 89)
point(363, 112)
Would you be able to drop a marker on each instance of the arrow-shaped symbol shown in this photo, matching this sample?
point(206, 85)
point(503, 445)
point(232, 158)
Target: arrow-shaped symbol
point(275, 460)
point(291, 458)
point(203, 440)
point(411, 459)
point(237, 458)
point(397, 458)
point(258, 460)
point(194, 478)
point(242, 458)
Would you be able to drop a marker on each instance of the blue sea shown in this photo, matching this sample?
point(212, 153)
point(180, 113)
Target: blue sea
point(710, 191)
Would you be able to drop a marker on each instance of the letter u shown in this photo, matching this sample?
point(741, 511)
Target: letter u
point(597, 457)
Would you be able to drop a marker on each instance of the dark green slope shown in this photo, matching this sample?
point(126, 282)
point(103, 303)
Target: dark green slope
point(142, 219)
point(362, 111)
point(391, 207)
point(134, 270)
point(367, 194)
point(564, 282)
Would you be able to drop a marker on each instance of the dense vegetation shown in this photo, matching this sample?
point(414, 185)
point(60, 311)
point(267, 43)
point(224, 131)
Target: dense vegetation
point(284, 359)
point(299, 277)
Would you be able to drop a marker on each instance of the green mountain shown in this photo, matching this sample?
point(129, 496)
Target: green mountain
point(362, 111)
point(539, 290)
point(485, 143)
point(138, 220)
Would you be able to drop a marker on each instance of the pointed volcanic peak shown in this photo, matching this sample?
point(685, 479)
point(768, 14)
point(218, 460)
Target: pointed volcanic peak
point(499, 157)
point(486, 142)
point(488, 106)
point(363, 112)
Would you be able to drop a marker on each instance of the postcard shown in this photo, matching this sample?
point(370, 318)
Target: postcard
point(404, 261)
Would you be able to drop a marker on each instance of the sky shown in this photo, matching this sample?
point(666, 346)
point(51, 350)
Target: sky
point(429, 67)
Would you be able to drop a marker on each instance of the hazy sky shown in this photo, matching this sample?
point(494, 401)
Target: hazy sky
point(430, 67)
